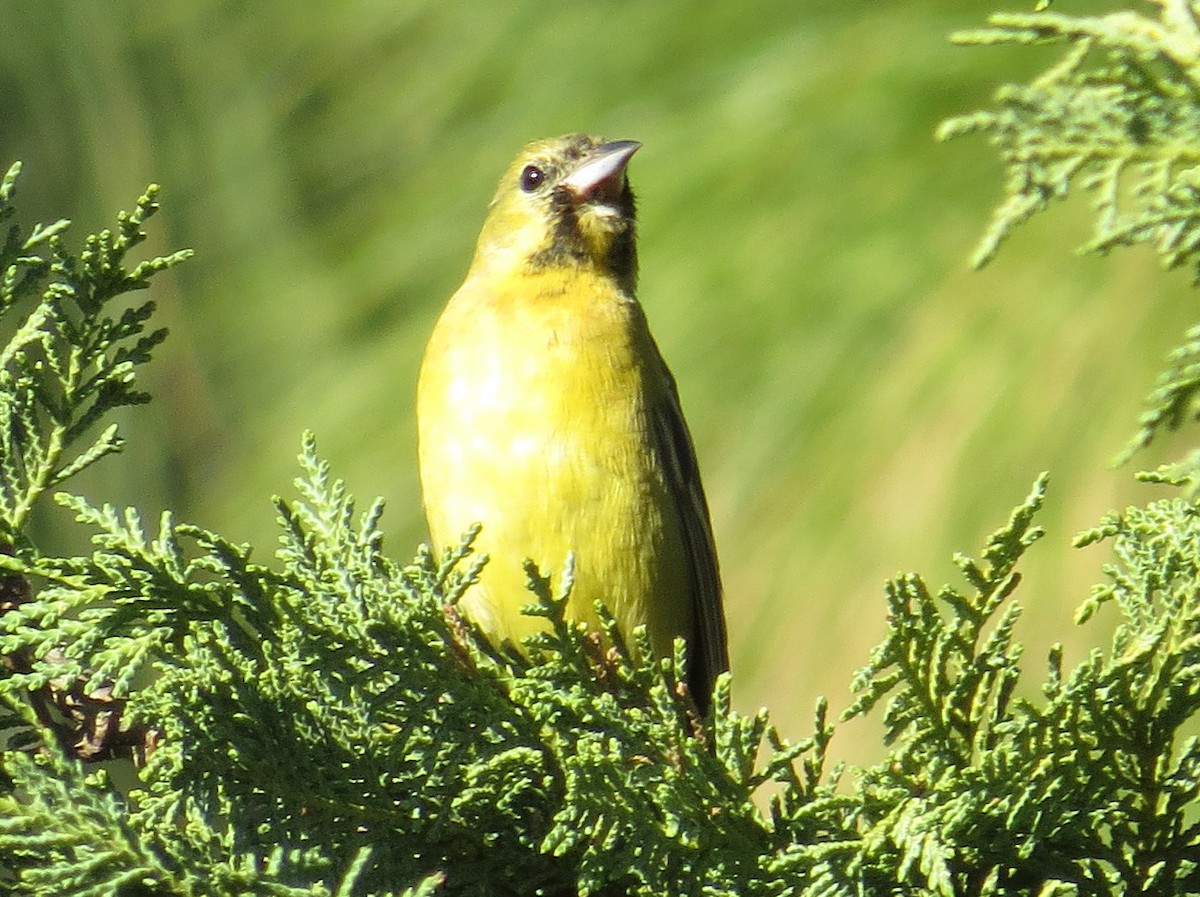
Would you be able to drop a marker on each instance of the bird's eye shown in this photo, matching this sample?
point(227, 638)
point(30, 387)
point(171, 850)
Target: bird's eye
point(531, 178)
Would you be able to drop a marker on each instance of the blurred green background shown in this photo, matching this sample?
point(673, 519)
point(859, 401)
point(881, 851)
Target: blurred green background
point(862, 402)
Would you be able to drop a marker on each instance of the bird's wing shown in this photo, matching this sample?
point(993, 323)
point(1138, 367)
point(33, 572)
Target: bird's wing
point(708, 650)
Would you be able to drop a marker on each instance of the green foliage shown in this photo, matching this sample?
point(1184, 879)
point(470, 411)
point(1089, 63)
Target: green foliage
point(68, 362)
point(1116, 116)
point(1093, 789)
point(336, 717)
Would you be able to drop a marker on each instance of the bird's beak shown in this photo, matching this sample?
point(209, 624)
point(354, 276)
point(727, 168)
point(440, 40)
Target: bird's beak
point(601, 174)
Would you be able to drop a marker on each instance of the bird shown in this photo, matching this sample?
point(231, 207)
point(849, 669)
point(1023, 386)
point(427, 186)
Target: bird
point(547, 416)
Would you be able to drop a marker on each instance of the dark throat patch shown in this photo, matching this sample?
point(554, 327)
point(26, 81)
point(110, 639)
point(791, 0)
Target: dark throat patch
point(569, 246)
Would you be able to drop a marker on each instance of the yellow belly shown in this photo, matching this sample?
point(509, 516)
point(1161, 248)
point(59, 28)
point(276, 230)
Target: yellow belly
point(533, 420)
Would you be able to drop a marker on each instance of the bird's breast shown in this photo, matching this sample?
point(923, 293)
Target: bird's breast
point(533, 420)
point(546, 384)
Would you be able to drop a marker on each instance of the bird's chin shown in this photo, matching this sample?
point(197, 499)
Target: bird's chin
point(600, 218)
point(600, 226)
point(603, 211)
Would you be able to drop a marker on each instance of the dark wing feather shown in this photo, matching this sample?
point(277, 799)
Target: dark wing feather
point(708, 650)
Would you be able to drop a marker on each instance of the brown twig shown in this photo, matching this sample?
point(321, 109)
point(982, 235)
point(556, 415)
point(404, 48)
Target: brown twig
point(88, 725)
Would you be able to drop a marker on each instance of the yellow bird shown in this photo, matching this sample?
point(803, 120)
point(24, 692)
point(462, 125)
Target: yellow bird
point(546, 413)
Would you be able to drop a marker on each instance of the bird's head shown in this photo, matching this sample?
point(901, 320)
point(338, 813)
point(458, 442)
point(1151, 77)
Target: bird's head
point(564, 201)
